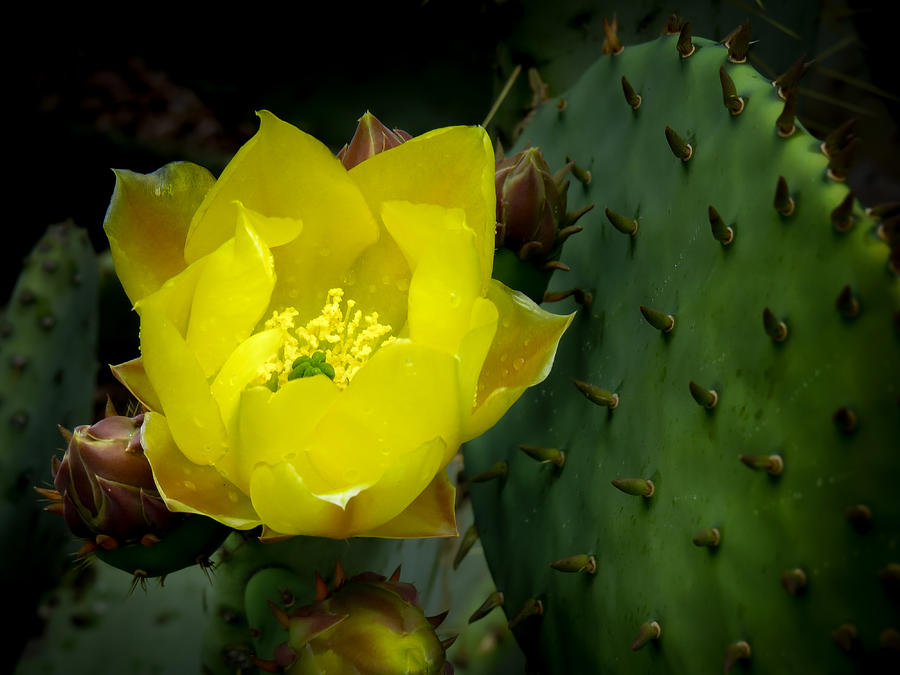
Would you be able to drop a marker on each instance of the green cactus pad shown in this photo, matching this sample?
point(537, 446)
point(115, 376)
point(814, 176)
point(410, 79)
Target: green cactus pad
point(703, 408)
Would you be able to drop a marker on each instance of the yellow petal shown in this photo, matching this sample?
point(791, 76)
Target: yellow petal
point(282, 172)
point(520, 356)
point(273, 230)
point(241, 368)
point(379, 282)
point(174, 298)
point(274, 427)
point(189, 488)
point(473, 350)
point(451, 167)
point(179, 381)
point(147, 222)
point(134, 377)
point(432, 514)
point(287, 506)
point(404, 396)
point(416, 227)
point(231, 294)
point(446, 282)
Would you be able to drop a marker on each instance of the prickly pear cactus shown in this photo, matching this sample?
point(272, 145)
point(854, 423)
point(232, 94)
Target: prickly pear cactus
point(48, 335)
point(718, 493)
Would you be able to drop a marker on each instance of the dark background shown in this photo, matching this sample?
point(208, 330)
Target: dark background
point(144, 84)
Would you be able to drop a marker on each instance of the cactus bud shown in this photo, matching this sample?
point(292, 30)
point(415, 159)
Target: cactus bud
point(368, 625)
point(370, 138)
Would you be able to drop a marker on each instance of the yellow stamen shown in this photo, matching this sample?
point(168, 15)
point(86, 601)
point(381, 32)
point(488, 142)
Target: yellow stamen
point(347, 337)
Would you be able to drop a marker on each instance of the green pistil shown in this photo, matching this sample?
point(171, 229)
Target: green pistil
point(308, 366)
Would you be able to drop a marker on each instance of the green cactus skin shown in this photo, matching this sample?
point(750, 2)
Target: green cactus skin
point(825, 399)
point(48, 335)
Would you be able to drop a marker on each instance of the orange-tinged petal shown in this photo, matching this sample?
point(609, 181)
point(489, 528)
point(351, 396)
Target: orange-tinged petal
point(520, 356)
point(274, 427)
point(432, 514)
point(286, 173)
point(231, 294)
point(134, 377)
point(179, 381)
point(147, 222)
point(189, 488)
point(451, 167)
point(445, 283)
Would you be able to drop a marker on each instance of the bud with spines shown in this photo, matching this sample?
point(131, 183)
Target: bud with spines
point(370, 138)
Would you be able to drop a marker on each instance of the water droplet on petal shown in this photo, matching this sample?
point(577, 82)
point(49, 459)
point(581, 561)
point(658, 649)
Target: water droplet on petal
point(518, 363)
point(190, 485)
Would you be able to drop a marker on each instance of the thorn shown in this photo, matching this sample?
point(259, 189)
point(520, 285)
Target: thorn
point(846, 637)
point(721, 232)
point(708, 398)
point(612, 44)
point(448, 642)
point(787, 82)
point(660, 321)
point(838, 139)
point(86, 549)
point(842, 215)
point(531, 607)
point(529, 249)
point(340, 577)
point(55, 464)
point(597, 395)
point(710, 537)
point(567, 232)
point(684, 45)
point(465, 545)
point(553, 456)
point(287, 598)
point(556, 265)
point(438, 619)
point(48, 493)
point(860, 517)
point(680, 148)
point(847, 303)
point(794, 581)
point(845, 419)
point(572, 216)
point(321, 587)
point(538, 88)
point(621, 223)
point(839, 161)
point(672, 25)
point(785, 122)
point(498, 470)
point(110, 410)
point(649, 630)
point(494, 600)
point(576, 563)
point(775, 329)
point(738, 43)
point(561, 104)
point(732, 101)
point(106, 542)
point(66, 434)
point(56, 507)
point(631, 96)
point(149, 539)
point(771, 464)
point(395, 577)
point(283, 618)
point(582, 297)
point(784, 203)
point(638, 487)
point(884, 210)
point(561, 173)
point(735, 652)
point(583, 175)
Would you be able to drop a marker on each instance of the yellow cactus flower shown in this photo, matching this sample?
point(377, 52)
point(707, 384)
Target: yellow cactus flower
point(316, 343)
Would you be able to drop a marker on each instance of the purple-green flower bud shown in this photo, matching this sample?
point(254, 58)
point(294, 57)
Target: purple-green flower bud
point(370, 138)
point(106, 486)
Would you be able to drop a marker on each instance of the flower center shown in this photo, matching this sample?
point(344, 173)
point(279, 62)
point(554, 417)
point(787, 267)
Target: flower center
point(336, 343)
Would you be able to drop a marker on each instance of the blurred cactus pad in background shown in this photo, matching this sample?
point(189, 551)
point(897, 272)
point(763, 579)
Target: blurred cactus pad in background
point(705, 482)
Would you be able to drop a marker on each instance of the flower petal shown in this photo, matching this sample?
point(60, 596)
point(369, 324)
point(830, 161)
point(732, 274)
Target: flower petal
point(450, 167)
point(473, 349)
point(520, 356)
point(231, 295)
point(432, 514)
point(446, 282)
point(147, 222)
point(274, 427)
point(284, 172)
point(417, 227)
point(379, 282)
point(189, 488)
point(179, 381)
point(134, 377)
